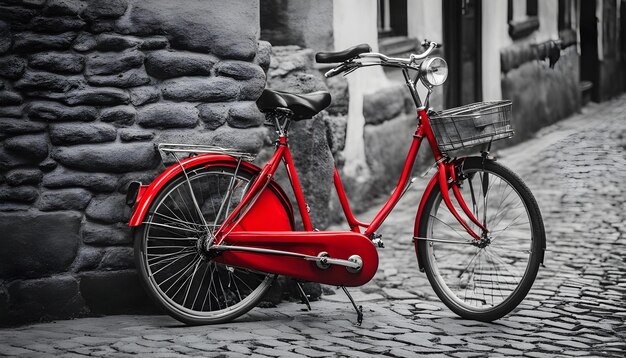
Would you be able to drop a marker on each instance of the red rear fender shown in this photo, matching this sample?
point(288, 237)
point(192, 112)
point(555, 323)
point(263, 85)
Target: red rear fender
point(147, 193)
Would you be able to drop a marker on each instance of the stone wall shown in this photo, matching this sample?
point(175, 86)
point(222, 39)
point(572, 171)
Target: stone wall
point(541, 95)
point(86, 89)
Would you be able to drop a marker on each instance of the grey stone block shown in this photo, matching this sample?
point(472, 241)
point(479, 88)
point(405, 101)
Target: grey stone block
point(168, 115)
point(106, 235)
point(47, 165)
point(27, 253)
point(11, 111)
point(245, 115)
point(12, 67)
point(114, 292)
point(251, 89)
point(55, 112)
point(337, 126)
point(214, 115)
point(131, 78)
point(384, 142)
point(263, 55)
point(31, 4)
point(227, 33)
point(135, 135)
point(119, 115)
point(20, 126)
point(97, 97)
point(45, 81)
point(117, 258)
point(109, 157)
point(10, 98)
point(108, 209)
point(92, 181)
point(313, 156)
point(24, 176)
point(113, 63)
point(57, 62)
point(64, 7)
point(6, 39)
point(44, 299)
point(338, 88)
point(239, 70)
point(192, 89)
point(22, 194)
point(81, 133)
point(64, 199)
point(168, 64)
point(87, 258)
point(33, 146)
point(33, 42)
point(9, 160)
point(154, 43)
point(115, 42)
point(104, 9)
point(84, 42)
point(55, 25)
point(142, 95)
point(384, 104)
point(102, 25)
point(14, 15)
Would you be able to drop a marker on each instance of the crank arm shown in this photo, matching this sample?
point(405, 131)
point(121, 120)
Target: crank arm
point(353, 264)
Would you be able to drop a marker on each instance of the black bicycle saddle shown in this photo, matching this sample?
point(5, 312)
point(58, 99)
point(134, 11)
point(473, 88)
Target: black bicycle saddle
point(302, 105)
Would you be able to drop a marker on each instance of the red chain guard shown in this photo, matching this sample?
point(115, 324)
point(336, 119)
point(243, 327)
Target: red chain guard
point(338, 245)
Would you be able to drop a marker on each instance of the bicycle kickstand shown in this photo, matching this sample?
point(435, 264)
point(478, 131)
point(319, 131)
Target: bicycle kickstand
point(303, 295)
point(359, 309)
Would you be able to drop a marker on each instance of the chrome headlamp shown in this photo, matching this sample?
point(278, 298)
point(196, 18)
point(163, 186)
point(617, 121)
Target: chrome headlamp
point(434, 71)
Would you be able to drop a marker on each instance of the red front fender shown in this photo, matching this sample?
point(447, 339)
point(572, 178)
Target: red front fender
point(147, 193)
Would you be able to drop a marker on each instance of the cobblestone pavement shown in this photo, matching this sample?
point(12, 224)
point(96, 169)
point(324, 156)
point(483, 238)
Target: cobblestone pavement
point(577, 306)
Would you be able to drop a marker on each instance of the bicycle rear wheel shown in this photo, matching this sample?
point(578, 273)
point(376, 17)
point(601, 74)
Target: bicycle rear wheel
point(176, 272)
point(483, 280)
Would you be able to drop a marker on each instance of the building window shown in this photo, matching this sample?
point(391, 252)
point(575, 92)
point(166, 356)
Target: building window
point(523, 18)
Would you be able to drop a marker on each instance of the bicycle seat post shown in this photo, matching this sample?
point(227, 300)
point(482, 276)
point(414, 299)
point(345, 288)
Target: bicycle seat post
point(282, 120)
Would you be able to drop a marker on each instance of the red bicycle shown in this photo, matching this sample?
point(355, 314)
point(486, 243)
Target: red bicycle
point(214, 230)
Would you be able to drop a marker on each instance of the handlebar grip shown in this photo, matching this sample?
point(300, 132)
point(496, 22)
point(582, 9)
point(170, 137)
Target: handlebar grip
point(426, 44)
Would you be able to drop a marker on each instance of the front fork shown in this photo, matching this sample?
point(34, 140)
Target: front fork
point(448, 179)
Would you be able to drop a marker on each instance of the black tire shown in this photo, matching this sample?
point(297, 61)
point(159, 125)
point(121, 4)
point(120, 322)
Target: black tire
point(511, 255)
point(178, 270)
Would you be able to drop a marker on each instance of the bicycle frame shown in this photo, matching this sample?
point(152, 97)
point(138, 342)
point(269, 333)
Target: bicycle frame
point(446, 175)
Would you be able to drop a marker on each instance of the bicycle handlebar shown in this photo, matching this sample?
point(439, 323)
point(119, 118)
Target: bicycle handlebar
point(385, 60)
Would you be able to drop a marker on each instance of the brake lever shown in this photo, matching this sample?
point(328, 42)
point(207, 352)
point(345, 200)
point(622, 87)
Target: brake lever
point(346, 67)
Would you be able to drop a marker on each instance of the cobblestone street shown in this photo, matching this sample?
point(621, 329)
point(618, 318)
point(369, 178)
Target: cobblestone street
point(577, 306)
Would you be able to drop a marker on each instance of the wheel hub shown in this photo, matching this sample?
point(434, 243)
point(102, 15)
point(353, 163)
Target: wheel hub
point(203, 245)
point(483, 242)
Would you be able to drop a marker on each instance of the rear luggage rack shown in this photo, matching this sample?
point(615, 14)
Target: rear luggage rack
point(195, 149)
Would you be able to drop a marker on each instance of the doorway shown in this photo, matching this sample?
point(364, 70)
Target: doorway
point(462, 48)
point(589, 63)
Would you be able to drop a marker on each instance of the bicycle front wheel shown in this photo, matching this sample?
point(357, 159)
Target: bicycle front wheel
point(483, 280)
point(175, 270)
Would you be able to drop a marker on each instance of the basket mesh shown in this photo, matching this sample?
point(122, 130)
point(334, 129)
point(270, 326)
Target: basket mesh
point(471, 125)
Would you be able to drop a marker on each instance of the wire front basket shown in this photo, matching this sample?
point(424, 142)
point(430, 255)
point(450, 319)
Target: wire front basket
point(471, 125)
